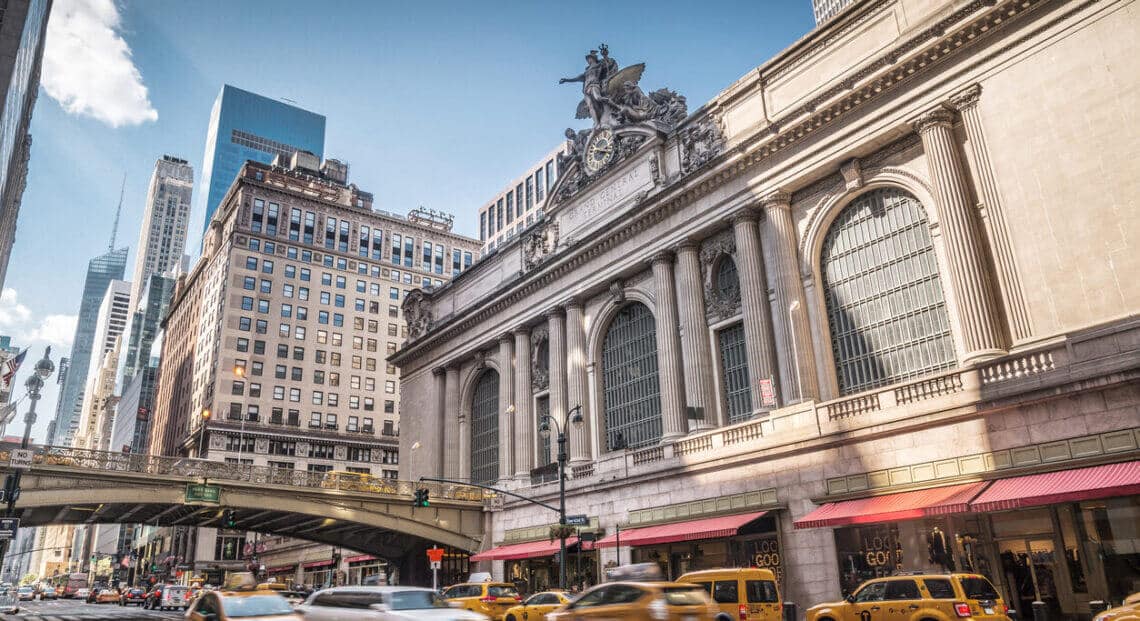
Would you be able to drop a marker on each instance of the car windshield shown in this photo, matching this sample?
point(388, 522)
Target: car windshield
point(416, 600)
point(502, 591)
point(685, 596)
point(978, 588)
point(255, 606)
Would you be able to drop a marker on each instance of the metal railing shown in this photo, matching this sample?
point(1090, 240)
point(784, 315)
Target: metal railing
point(185, 469)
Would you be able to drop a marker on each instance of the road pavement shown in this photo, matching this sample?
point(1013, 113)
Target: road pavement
point(74, 610)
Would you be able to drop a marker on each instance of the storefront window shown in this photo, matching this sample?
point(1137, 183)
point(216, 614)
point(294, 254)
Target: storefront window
point(1112, 528)
point(867, 552)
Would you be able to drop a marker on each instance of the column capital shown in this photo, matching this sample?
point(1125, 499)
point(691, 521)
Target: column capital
point(967, 98)
point(521, 331)
point(438, 371)
point(930, 119)
point(556, 311)
point(744, 214)
point(662, 256)
point(506, 337)
point(776, 200)
point(574, 302)
point(687, 244)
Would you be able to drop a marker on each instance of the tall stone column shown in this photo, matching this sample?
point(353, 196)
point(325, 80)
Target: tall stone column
point(674, 424)
point(451, 429)
point(754, 303)
point(506, 399)
point(524, 420)
point(993, 215)
point(439, 461)
point(556, 324)
point(969, 273)
point(576, 391)
point(695, 348)
point(793, 336)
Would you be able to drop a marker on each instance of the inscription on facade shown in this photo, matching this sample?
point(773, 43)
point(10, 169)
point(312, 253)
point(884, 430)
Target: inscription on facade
point(601, 204)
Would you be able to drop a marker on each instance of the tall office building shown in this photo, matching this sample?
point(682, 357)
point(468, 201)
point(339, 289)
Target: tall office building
point(282, 330)
point(824, 10)
point(247, 126)
point(520, 204)
point(100, 272)
point(162, 237)
point(93, 425)
point(22, 27)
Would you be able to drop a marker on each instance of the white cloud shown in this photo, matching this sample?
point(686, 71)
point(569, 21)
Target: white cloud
point(88, 67)
point(17, 321)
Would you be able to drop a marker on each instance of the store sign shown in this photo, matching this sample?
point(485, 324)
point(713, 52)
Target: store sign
point(765, 554)
point(203, 493)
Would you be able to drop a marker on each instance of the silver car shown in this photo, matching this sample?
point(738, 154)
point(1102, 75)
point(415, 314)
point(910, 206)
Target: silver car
point(385, 603)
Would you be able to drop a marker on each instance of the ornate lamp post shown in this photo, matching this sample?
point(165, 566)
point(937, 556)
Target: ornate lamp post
point(43, 370)
point(574, 417)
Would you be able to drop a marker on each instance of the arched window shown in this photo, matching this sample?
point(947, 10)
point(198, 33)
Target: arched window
point(631, 393)
point(485, 428)
point(884, 297)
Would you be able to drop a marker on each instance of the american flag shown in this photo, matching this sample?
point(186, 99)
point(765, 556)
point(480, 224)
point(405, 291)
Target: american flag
point(12, 366)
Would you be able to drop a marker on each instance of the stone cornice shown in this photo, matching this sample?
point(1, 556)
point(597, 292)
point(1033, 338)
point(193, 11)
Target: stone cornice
point(924, 53)
point(777, 200)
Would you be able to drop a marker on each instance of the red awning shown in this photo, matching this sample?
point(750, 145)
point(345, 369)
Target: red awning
point(708, 528)
point(894, 507)
point(1065, 486)
point(315, 564)
point(361, 558)
point(533, 549)
point(280, 569)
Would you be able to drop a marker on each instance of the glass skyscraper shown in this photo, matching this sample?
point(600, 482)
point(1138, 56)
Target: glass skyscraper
point(246, 126)
point(100, 272)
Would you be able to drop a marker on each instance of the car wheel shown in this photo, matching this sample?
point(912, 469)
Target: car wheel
point(510, 618)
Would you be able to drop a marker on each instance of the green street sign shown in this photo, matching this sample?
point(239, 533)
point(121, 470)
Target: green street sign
point(203, 493)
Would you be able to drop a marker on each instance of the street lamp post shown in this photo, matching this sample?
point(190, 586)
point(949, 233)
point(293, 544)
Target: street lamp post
point(202, 431)
point(43, 370)
point(574, 416)
point(240, 373)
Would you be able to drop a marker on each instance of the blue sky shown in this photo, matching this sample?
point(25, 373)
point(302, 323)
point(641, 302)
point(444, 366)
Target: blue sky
point(431, 103)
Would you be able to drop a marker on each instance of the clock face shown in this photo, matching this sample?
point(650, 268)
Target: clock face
point(599, 151)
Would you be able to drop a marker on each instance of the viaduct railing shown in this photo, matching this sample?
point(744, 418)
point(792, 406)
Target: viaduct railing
point(185, 469)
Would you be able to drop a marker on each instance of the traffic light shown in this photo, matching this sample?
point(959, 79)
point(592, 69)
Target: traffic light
point(422, 498)
point(229, 519)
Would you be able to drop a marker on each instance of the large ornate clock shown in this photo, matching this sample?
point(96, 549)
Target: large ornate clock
point(600, 151)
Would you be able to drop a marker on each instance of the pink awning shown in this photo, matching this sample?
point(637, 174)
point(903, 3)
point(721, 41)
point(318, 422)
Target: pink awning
point(708, 528)
point(360, 558)
point(1034, 490)
point(894, 507)
point(533, 549)
point(316, 564)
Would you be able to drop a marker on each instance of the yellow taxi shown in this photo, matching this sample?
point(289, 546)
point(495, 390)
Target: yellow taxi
point(536, 606)
point(638, 593)
point(107, 596)
point(1128, 611)
point(917, 597)
point(490, 598)
point(241, 599)
point(744, 593)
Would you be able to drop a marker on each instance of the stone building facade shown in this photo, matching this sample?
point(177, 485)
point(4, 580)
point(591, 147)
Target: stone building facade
point(830, 322)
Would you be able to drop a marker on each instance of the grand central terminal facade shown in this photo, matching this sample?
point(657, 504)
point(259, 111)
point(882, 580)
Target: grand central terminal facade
point(871, 308)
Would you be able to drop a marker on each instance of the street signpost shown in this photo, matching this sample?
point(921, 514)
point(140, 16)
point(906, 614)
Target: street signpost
point(577, 520)
point(21, 458)
point(8, 528)
point(435, 556)
point(202, 493)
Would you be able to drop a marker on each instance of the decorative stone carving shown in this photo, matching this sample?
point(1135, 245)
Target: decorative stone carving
point(539, 244)
point(261, 445)
point(540, 364)
point(852, 172)
point(967, 98)
point(937, 116)
point(700, 143)
point(302, 449)
point(623, 116)
point(655, 170)
point(417, 313)
point(617, 291)
point(340, 452)
point(480, 360)
point(718, 306)
point(217, 441)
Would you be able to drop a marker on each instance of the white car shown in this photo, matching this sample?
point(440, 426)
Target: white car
point(381, 603)
point(82, 593)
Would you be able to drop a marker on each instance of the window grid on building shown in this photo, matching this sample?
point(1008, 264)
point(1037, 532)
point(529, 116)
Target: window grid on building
point(734, 373)
point(885, 304)
point(541, 412)
point(632, 394)
point(485, 429)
